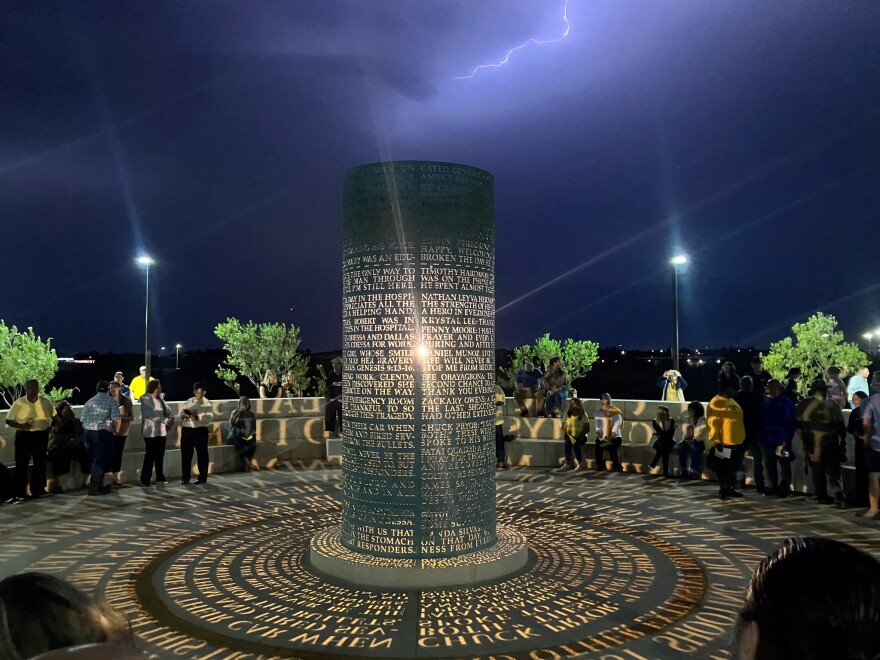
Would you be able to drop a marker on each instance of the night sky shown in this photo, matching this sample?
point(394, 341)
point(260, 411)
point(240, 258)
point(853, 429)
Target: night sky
point(215, 135)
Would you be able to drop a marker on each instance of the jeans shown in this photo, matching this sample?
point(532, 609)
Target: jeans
point(243, 447)
point(154, 455)
point(28, 445)
point(99, 444)
point(691, 455)
point(333, 417)
point(118, 448)
point(827, 470)
point(612, 452)
point(554, 402)
point(771, 461)
point(755, 449)
point(574, 445)
point(662, 449)
point(194, 439)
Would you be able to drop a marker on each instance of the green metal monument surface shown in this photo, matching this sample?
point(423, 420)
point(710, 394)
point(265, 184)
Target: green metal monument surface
point(419, 350)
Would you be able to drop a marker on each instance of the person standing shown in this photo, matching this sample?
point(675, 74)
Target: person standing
point(664, 439)
point(791, 385)
point(672, 386)
point(333, 407)
point(68, 445)
point(269, 388)
point(778, 422)
point(693, 441)
point(819, 424)
point(727, 377)
point(527, 385)
point(100, 419)
point(156, 419)
point(30, 416)
point(126, 414)
point(871, 433)
point(243, 432)
point(751, 400)
point(575, 429)
point(608, 422)
point(500, 452)
point(837, 388)
point(760, 376)
point(858, 382)
point(119, 379)
point(197, 415)
point(855, 428)
point(555, 388)
point(727, 432)
point(139, 385)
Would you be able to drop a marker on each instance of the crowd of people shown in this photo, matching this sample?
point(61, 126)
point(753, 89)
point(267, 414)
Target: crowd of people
point(753, 413)
point(96, 441)
point(52, 434)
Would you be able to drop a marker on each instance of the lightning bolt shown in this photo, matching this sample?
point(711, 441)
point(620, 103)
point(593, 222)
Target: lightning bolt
point(521, 46)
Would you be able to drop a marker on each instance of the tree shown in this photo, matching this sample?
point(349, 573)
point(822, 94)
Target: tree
point(578, 357)
point(24, 355)
point(256, 348)
point(816, 345)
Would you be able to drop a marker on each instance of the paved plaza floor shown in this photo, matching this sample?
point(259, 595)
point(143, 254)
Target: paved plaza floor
point(621, 566)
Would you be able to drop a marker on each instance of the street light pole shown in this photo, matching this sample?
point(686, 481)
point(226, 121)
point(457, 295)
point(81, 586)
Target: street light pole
point(146, 261)
point(676, 261)
point(177, 348)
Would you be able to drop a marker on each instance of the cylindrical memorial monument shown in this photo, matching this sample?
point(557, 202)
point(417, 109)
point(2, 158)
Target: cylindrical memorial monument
point(418, 452)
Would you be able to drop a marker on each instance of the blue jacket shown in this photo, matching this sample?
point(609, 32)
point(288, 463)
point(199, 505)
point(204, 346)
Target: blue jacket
point(779, 418)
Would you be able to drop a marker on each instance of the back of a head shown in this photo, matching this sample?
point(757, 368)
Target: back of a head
point(813, 599)
point(40, 613)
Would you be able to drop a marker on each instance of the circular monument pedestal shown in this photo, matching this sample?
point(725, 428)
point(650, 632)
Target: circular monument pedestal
point(507, 556)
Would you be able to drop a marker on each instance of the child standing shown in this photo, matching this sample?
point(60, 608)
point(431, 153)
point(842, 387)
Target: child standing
point(575, 427)
point(693, 442)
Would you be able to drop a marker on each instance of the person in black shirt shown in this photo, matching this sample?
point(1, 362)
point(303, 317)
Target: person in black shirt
point(760, 377)
point(333, 409)
point(751, 400)
point(791, 385)
point(854, 428)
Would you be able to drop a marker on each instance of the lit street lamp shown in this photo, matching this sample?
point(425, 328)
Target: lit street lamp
point(177, 348)
point(145, 261)
point(676, 261)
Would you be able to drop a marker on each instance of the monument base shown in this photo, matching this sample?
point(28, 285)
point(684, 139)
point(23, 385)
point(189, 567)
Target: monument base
point(509, 555)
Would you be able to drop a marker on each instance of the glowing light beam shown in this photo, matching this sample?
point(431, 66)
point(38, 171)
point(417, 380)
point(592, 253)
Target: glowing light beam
point(521, 46)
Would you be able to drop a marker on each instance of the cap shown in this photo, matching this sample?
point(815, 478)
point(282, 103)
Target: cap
point(757, 360)
point(143, 368)
point(102, 386)
point(529, 367)
point(118, 373)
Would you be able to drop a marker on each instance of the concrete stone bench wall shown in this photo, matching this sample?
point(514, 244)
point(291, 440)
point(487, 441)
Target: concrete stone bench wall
point(292, 430)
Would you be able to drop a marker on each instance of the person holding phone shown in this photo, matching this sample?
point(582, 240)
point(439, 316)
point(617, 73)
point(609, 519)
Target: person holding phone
point(727, 432)
point(197, 415)
point(156, 419)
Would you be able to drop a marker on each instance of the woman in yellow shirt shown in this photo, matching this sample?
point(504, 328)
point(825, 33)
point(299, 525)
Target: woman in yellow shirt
point(575, 427)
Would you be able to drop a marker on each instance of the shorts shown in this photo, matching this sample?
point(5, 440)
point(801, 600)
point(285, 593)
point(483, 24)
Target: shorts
point(872, 460)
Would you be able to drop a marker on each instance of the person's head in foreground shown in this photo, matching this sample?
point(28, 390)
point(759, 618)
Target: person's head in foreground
point(41, 613)
point(812, 599)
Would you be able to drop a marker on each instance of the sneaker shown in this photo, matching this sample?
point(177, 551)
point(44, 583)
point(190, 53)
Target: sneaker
point(565, 468)
point(722, 494)
point(734, 493)
point(523, 413)
point(579, 467)
point(143, 485)
point(200, 482)
point(162, 480)
point(769, 492)
point(783, 493)
point(185, 483)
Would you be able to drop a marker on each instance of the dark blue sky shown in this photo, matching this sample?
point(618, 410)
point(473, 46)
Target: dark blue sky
point(215, 135)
